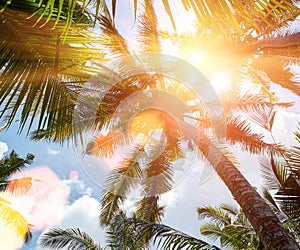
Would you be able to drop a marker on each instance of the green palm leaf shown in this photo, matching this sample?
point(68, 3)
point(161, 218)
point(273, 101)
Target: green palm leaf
point(72, 239)
point(118, 185)
point(40, 73)
point(217, 215)
point(55, 11)
point(10, 164)
point(168, 238)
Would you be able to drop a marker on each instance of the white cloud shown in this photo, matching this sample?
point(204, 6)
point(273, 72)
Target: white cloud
point(191, 193)
point(285, 123)
point(52, 152)
point(83, 214)
point(169, 199)
point(3, 149)
point(79, 186)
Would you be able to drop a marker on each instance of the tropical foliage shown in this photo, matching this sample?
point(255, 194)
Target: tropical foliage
point(230, 226)
point(42, 83)
point(281, 176)
point(126, 233)
point(13, 223)
point(70, 238)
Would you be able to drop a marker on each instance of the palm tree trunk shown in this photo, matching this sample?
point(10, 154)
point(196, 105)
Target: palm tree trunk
point(272, 233)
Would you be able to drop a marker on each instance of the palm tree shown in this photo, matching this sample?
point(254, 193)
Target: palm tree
point(239, 187)
point(56, 114)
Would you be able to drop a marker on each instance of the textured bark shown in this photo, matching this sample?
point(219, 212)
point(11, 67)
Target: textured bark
point(272, 233)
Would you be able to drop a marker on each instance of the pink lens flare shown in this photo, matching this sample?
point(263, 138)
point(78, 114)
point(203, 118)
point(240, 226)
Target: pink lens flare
point(44, 203)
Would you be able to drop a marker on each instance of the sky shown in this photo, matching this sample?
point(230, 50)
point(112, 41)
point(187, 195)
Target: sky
point(64, 195)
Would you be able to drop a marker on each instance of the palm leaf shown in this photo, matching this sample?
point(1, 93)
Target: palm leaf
point(238, 131)
point(73, 239)
point(267, 196)
point(276, 64)
point(212, 231)
point(10, 164)
point(274, 172)
point(39, 73)
point(148, 34)
point(166, 237)
point(55, 11)
point(235, 17)
point(115, 44)
point(122, 235)
point(12, 219)
point(218, 215)
point(118, 184)
point(248, 102)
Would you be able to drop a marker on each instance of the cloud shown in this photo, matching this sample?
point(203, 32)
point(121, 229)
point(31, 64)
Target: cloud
point(191, 193)
point(83, 213)
point(78, 186)
point(3, 149)
point(285, 123)
point(52, 151)
point(43, 205)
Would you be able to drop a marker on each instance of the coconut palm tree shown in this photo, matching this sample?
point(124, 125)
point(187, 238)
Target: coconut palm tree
point(57, 113)
point(111, 201)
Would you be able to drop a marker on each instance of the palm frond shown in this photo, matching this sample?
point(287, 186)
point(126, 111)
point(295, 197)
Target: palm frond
point(267, 196)
point(289, 197)
point(10, 164)
point(157, 176)
point(58, 11)
point(293, 155)
point(263, 117)
point(12, 219)
point(148, 37)
point(73, 239)
point(39, 73)
point(118, 184)
point(276, 64)
point(218, 215)
point(102, 145)
point(148, 209)
point(115, 44)
point(122, 235)
point(279, 40)
point(236, 17)
point(212, 231)
point(238, 131)
point(239, 236)
point(274, 172)
point(231, 209)
point(248, 102)
point(166, 237)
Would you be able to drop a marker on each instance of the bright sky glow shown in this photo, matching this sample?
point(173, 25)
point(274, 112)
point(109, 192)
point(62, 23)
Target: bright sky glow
point(221, 81)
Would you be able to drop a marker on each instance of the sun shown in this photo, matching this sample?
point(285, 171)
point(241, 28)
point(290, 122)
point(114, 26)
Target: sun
point(221, 82)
